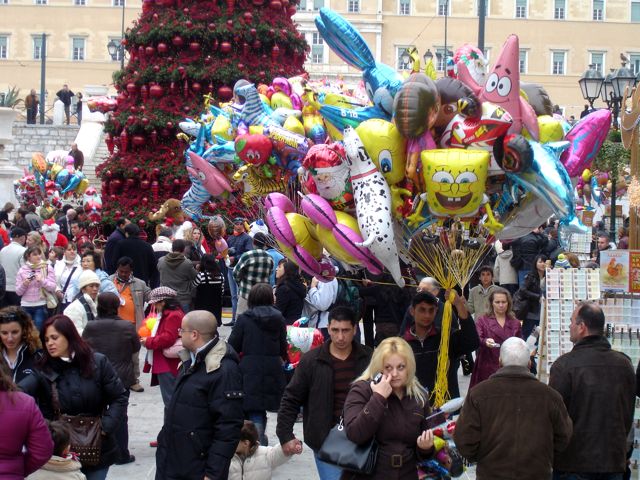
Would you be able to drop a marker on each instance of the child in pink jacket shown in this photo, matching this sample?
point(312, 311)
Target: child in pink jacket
point(33, 278)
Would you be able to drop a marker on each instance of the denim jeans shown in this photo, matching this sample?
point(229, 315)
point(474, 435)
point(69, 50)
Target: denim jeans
point(326, 471)
point(586, 476)
point(97, 474)
point(38, 315)
point(233, 289)
point(167, 383)
point(521, 275)
point(259, 419)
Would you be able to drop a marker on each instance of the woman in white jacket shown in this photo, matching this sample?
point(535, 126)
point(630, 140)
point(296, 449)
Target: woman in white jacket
point(84, 308)
point(505, 275)
point(320, 297)
point(67, 272)
point(253, 461)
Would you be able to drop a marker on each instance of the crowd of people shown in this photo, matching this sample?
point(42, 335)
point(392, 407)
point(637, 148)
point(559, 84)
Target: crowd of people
point(73, 313)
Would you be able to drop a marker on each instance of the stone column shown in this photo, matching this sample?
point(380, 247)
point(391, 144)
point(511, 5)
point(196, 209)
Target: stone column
point(8, 172)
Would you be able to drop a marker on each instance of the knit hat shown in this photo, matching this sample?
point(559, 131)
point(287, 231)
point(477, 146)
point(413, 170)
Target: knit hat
point(87, 277)
point(161, 293)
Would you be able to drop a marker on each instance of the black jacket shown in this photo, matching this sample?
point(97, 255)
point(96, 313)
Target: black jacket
point(204, 419)
point(110, 259)
point(118, 340)
point(532, 291)
point(26, 362)
point(526, 248)
point(312, 388)
point(462, 341)
point(290, 296)
point(260, 337)
point(103, 394)
point(598, 386)
point(144, 260)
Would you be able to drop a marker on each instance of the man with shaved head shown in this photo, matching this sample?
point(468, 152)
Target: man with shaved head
point(204, 418)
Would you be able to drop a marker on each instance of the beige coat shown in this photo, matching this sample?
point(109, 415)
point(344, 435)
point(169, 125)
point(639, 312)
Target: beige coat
point(58, 468)
point(258, 466)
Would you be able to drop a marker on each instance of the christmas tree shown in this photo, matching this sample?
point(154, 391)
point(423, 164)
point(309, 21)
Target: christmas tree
point(180, 51)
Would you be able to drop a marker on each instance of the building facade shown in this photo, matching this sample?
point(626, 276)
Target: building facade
point(558, 38)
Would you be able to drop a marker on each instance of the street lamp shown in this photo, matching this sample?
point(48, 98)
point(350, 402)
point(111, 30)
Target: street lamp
point(611, 91)
point(591, 84)
point(405, 58)
point(114, 50)
point(428, 56)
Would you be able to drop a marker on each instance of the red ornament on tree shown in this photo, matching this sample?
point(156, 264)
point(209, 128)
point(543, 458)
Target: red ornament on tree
point(225, 93)
point(124, 138)
point(177, 41)
point(196, 87)
point(194, 46)
point(155, 188)
point(225, 47)
point(154, 136)
point(156, 91)
point(144, 93)
point(275, 52)
point(275, 4)
point(149, 51)
point(108, 139)
point(132, 88)
point(162, 47)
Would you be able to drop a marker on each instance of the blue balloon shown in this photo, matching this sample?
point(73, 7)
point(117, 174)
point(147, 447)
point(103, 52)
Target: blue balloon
point(63, 178)
point(381, 81)
point(548, 180)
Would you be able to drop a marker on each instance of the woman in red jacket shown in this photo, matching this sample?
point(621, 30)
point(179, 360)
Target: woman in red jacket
point(163, 368)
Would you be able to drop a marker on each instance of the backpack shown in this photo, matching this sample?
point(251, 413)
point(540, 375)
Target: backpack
point(348, 295)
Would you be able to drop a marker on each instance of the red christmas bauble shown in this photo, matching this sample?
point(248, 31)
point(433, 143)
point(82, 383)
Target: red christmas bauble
point(212, 26)
point(132, 88)
point(156, 172)
point(108, 174)
point(141, 51)
point(194, 46)
point(248, 16)
point(196, 87)
point(292, 10)
point(145, 184)
point(138, 141)
point(156, 68)
point(133, 109)
point(169, 125)
point(225, 47)
point(177, 41)
point(241, 66)
point(225, 93)
point(156, 91)
point(181, 70)
point(115, 184)
point(136, 171)
point(257, 3)
point(131, 119)
point(117, 214)
point(155, 17)
point(275, 4)
point(131, 182)
point(188, 24)
point(113, 197)
point(142, 223)
point(229, 23)
point(145, 201)
point(275, 52)
point(132, 214)
point(149, 51)
point(185, 11)
point(208, 59)
point(257, 44)
point(163, 47)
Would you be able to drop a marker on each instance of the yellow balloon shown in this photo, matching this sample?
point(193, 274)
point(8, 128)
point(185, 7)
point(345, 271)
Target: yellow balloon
point(386, 147)
point(305, 236)
point(279, 99)
point(222, 127)
point(55, 170)
point(293, 125)
point(330, 242)
point(38, 162)
point(150, 322)
point(550, 129)
point(265, 99)
point(82, 186)
point(455, 180)
point(586, 175)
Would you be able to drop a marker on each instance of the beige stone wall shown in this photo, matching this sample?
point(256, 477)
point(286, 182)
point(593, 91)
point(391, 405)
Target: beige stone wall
point(378, 20)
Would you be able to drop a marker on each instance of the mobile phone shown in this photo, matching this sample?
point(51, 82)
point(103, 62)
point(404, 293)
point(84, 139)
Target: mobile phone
point(377, 378)
point(32, 275)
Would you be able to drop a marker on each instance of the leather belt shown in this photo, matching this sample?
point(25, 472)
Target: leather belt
point(396, 460)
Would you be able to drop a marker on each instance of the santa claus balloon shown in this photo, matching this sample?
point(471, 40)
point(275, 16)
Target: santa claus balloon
point(51, 234)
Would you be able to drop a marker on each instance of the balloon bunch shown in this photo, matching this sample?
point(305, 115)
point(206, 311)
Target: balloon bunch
point(50, 180)
point(301, 339)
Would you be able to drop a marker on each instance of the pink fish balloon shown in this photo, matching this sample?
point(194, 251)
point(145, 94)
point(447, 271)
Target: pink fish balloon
point(585, 138)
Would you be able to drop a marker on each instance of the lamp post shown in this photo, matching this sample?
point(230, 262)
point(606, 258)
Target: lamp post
point(115, 48)
point(446, 18)
point(428, 56)
point(611, 90)
point(43, 76)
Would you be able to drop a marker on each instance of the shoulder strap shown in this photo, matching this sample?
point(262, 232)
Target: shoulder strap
point(87, 308)
point(66, 284)
point(55, 400)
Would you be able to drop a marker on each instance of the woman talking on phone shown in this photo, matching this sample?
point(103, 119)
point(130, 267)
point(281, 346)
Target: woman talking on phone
point(393, 411)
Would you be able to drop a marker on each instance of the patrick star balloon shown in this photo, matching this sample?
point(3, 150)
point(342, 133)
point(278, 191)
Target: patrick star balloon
point(503, 87)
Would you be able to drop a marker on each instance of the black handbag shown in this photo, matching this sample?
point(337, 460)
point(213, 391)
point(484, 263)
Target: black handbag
point(338, 450)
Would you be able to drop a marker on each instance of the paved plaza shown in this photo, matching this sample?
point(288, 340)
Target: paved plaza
point(145, 421)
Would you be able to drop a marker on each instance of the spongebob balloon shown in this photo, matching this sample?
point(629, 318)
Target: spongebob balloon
point(387, 148)
point(455, 183)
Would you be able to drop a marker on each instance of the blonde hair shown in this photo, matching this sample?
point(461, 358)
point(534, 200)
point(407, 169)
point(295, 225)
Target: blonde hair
point(388, 347)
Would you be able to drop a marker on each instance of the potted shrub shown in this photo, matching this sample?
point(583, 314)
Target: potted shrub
point(9, 101)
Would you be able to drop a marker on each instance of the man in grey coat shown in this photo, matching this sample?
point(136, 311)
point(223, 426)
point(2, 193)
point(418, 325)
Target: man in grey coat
point(177, 272)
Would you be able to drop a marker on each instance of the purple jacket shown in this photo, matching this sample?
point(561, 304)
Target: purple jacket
point(487, 359)
point(22, 426)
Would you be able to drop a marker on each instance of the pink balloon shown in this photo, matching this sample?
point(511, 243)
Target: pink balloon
point(585, 138)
